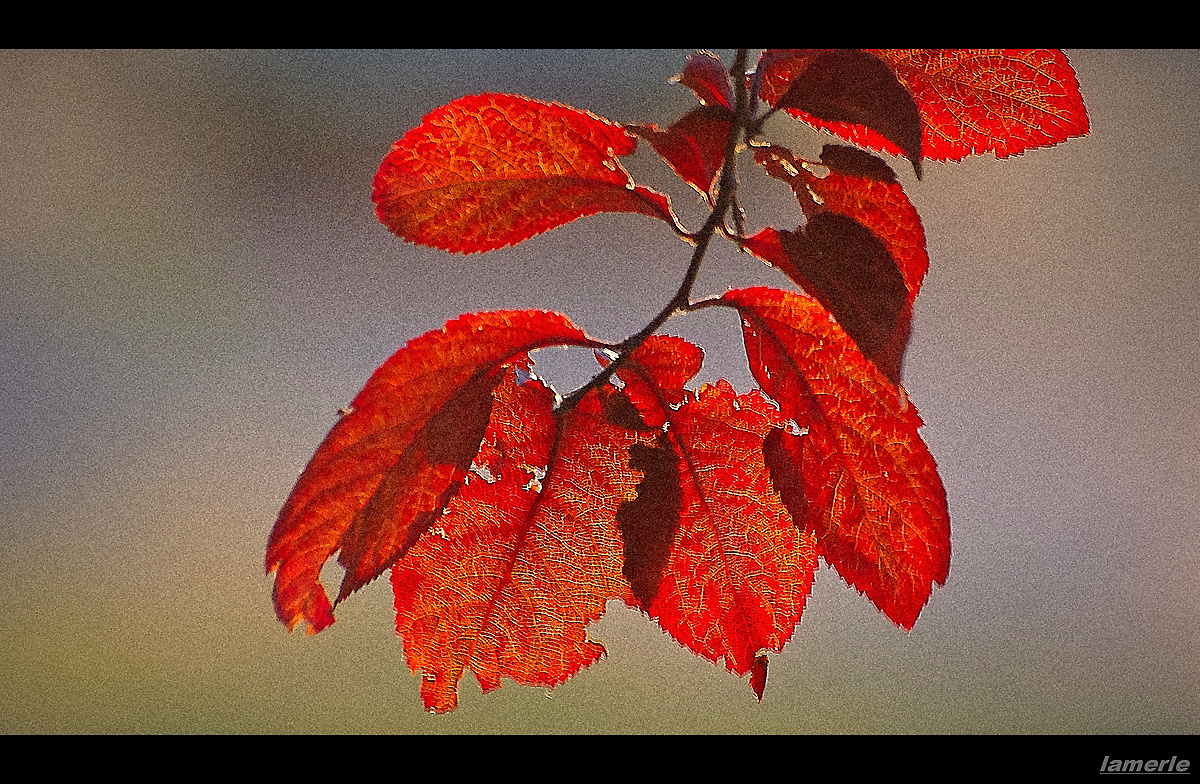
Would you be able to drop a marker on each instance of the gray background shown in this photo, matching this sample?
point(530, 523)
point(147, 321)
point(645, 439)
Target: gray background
point(194, 282)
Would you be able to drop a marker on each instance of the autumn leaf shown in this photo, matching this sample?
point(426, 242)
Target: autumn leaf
point(1004, 101)
point(856, 163)
point(862, 252)
point(385, 472)
point(859, 476)
point(841, 89)
point(694, 145)
point(704, 74)
point(488, 171)
point(971, 101)
point(738, 572)
point(519, 566)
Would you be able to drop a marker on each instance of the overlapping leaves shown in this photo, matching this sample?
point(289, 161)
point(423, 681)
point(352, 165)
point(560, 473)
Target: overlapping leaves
point(862, 251)
point(970, 101)
point(389, 467)
point(734, 579)
point(860, 477)
point(509, 517)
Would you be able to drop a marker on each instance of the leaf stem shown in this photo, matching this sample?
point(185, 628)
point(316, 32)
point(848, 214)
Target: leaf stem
point(726, 197)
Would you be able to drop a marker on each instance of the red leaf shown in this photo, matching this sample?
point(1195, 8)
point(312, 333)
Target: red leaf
point(1004, 101)
point(705, 75)
point(758, 677)
point(835, 87)
point(518, 568)
point(667, 363)
point(386, 471)
point(870, 293)
point(856, 163)
point(487, 171)
point(738, 573)
point(855, 187)
point(971, 101)
point(694, 145)
point(861, 478)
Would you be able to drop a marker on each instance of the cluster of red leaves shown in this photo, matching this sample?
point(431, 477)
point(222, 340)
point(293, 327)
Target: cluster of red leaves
point(509, 523)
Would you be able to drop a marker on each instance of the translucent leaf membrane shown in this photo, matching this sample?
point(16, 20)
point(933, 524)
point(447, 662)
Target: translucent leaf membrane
point(385, 472)
point(738, 571)
point(488, 171)
point(860, 478)
point(862, 252)
point(705, 75)
point(840, 88)
point(694, 145)
point(509, 581)
point(1004, 101)
point(971, 101)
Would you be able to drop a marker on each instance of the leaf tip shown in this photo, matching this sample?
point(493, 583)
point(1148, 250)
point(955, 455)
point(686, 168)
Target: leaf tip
point(758, 676)
point(316, 613)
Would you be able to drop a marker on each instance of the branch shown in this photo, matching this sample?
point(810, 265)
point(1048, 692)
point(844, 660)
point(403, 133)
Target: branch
point(726, 197)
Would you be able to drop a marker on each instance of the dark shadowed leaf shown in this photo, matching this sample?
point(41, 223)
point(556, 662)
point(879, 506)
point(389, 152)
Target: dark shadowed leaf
point(849, 269)
point(694, 145)
point(846, 86)
point(648, 523)
point(856, 163)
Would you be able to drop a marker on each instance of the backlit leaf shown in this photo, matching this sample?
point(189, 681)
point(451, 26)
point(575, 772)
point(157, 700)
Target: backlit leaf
point(487, 171)
point(838, 260)
point(1005, 101)
point(839, 87)
point(386, 470)
point(508, 583)
point(971, 101)
point(694, 145)
point(705, 75)
point(859, 477)
point(739, 572)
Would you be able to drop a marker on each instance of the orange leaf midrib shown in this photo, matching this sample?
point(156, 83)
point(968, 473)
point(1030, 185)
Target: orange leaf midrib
point(710, 518)
point(876, 537)
point(506, 578)
point(509, 182)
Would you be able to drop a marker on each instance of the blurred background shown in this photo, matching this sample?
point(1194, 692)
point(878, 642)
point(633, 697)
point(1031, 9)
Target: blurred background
point(194, 282)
